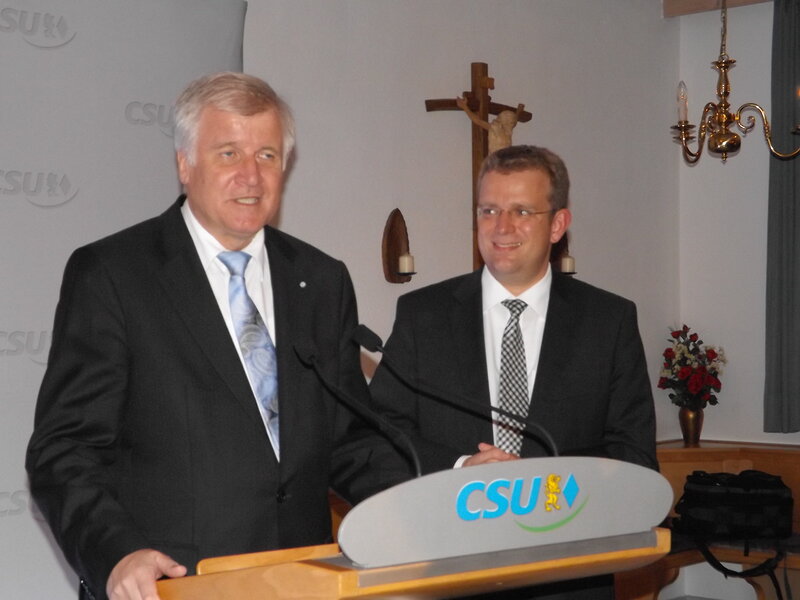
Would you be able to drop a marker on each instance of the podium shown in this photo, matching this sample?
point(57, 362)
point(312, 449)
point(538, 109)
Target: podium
point(460, 532)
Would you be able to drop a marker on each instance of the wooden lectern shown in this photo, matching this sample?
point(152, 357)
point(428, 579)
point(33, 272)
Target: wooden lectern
point(460, 532)
point(316, 573)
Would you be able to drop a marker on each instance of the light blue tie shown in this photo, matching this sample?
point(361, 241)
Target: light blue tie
point(256, 345)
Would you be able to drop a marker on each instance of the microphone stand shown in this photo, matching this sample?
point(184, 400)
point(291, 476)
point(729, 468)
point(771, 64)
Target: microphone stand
point(365, 337)
point(307, 356)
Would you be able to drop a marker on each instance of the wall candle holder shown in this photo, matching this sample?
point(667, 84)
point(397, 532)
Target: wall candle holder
point(398, 263)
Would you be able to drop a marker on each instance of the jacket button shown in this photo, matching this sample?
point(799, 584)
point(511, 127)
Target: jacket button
point(280, 496)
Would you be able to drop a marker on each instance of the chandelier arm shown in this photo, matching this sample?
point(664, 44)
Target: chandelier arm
point(683, 134)
point(717, 121)
point(706, 120)
point(689, 156)
point(767, 132)
point(709, 110)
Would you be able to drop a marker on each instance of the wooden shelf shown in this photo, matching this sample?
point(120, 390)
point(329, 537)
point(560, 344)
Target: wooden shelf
point(676, 462)
point(677, 8)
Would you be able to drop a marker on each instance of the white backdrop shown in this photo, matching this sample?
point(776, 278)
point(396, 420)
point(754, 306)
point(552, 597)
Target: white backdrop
point(86, 89)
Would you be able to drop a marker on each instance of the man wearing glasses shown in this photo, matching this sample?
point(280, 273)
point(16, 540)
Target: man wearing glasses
point(518, 336)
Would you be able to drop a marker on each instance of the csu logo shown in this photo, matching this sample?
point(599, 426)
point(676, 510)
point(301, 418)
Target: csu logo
point(16, 502)
point(522, 497)
point(149, 113)
point(33, 344)
point(43, 30)
point(43, 189)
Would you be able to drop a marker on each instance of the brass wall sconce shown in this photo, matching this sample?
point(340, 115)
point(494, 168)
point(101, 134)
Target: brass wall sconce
point(717, 120)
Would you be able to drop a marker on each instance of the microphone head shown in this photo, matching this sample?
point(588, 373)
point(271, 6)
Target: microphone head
point(364, 336)
point(306, 351)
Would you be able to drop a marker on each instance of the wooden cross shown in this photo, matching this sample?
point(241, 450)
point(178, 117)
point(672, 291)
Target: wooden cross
point(480, 103)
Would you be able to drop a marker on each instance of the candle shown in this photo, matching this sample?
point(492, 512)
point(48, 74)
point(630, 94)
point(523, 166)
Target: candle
point(683, 103)
point(406, 263)
point(567, 264)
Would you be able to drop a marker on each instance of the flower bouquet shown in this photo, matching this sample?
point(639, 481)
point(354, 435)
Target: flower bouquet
point(691, 370)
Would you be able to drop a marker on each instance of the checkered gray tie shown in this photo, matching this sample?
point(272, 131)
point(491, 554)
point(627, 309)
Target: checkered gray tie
point(513, 380)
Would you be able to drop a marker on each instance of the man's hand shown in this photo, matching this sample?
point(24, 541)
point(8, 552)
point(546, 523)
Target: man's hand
point(488, 454)
point(134, 577)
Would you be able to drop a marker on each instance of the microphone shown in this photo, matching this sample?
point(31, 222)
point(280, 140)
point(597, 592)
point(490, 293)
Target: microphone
point(367, 338)
point(307, 353)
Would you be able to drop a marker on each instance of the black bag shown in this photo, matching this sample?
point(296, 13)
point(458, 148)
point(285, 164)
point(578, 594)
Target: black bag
point(748, 506)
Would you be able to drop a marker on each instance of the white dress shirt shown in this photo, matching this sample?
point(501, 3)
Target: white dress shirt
point(531, 322)
point(257, 281)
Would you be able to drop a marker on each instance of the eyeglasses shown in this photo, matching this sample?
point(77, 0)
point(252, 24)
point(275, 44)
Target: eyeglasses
point(516, 214)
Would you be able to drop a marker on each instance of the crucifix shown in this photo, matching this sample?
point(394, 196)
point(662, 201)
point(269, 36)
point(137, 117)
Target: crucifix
point(487, 137)
point(478, 105)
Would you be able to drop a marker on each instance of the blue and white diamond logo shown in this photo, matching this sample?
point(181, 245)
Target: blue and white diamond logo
point(571, 490)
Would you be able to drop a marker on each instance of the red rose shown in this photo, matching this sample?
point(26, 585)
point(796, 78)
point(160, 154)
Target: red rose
point(662, 383)
point(693, 337)
point(695, 384)
point(669, 353)
point(684, 372)
point(676, 334)
point(711, 354)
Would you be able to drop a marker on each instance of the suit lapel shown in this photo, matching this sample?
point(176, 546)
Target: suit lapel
point(466, 327)
point(184, 281)
point(288, 289)
point(559, 340)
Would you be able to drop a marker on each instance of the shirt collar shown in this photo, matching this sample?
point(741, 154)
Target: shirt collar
point(208, 247)
point(536, 297)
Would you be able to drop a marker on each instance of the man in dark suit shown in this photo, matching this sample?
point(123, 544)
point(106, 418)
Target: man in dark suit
point(152, 448)
point(581, 368)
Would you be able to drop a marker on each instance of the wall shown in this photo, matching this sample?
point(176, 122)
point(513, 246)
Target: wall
point(85, 149)
point(723, 220)
point(598, 77)
point(687, 244)
point(723, 241)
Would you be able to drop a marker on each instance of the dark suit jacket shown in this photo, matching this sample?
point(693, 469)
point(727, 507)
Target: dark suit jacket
point(591, 393)
point(147, 434)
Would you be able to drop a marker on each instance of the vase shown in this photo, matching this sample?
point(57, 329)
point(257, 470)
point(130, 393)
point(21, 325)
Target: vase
point(691, 425)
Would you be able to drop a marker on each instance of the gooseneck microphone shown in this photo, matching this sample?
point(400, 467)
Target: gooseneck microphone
point(367, 338)
point(307, 353)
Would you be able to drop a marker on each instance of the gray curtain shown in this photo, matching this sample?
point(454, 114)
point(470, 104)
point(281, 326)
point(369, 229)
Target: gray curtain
point(782, 386)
